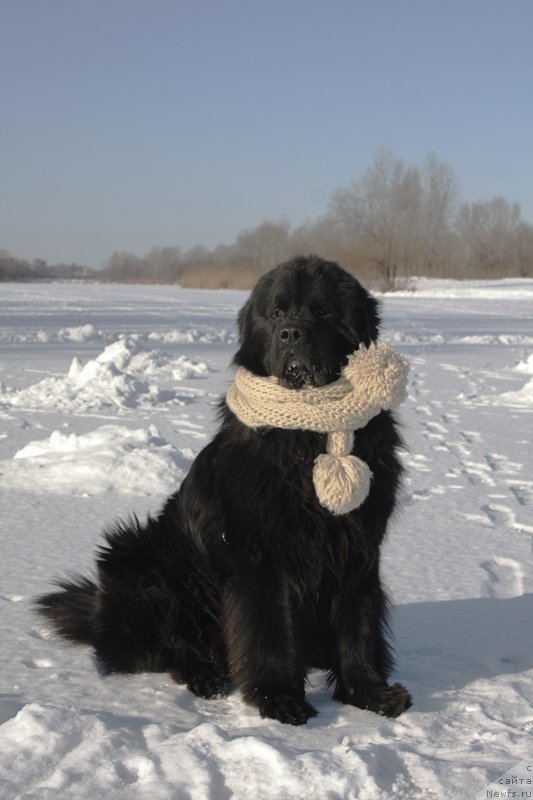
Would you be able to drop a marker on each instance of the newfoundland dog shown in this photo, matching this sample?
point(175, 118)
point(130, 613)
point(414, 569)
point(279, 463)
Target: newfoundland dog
point(245, 577)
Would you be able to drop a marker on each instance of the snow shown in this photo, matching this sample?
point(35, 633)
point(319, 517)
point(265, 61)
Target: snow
point(107, 393)
point(526, 365)
point(522, 397)
point(117, 379)
point(111, 458)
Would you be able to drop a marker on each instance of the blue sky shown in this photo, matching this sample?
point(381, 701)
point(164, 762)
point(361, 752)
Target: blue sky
point(127, 124)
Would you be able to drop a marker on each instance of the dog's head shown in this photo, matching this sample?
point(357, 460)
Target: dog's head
point(302, 320)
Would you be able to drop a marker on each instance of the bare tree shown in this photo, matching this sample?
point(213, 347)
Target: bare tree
point(197, 254)
point(493, 235)
point(524, 259)
point(123, 267)
point(266, 245)
point(374, 211)
point(398, 214)
point(440, 193)
point(163, 264)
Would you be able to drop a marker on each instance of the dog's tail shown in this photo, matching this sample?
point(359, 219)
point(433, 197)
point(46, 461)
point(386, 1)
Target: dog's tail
point(73, 610)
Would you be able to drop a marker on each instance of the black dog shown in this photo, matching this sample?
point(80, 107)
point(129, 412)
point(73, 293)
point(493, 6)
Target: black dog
point(244, 577)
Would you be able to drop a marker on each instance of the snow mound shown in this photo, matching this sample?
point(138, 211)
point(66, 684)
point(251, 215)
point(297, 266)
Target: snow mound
point(522, 397)
point(401, 337)
point(128, 756)
point(120, 378)
point(183, 368)
point(506, 339)
point(200, 335)
point(526, 365)
point(88, 333)
point(112, 458)
point(494, 339)
point(449, 288)
point(81, 333)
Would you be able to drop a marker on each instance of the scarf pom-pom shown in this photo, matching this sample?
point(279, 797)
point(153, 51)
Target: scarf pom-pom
point(342, 483)
point(379, 374)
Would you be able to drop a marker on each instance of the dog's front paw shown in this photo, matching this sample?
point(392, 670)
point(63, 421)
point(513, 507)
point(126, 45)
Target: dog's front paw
point(286, 708)
point(206, 682)
point(388, 701)
point(209, 684)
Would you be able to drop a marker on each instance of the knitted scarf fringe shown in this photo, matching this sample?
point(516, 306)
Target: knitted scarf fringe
point(373, 380)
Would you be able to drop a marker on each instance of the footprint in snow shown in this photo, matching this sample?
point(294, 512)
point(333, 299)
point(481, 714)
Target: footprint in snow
point(10, 705)
point(472, 437)
point(38, 663)
point(505, 517)
point(522, 492)
point(505, 577)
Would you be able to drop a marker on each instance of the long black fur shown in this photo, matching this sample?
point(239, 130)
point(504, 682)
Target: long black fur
point(244, 577)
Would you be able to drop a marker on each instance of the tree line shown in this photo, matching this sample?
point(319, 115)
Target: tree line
point(395, 221)
point(20, 269)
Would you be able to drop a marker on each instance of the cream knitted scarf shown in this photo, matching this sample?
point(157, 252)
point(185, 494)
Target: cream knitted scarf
point(374, 379)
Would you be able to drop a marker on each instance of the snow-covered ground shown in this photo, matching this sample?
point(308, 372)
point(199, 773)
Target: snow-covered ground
point(106, 395)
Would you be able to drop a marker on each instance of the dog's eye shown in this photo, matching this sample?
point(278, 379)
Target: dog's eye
point(278, 313)
point(322, 311)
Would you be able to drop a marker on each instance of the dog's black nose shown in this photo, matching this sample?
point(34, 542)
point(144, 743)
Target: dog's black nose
point(290, 333)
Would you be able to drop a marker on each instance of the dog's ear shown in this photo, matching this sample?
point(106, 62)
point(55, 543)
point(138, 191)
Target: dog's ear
point(243, 320)
point(361, 318)
point(370, 308)
point(254, 342)
point(250, 353)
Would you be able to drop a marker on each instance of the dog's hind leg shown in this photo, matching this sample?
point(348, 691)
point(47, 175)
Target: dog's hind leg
point(155, 607)
point(152, 626)
point(205, 674)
